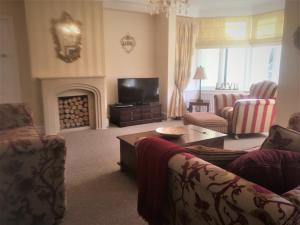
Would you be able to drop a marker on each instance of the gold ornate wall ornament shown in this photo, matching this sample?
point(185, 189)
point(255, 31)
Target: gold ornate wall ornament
point(67, 37)
point(297, 38)
point(128, 43)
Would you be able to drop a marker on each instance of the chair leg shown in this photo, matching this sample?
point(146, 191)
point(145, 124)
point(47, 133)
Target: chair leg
point(236, 137)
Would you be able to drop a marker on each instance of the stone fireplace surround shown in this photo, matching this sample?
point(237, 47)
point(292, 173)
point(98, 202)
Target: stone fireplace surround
point(52, 88)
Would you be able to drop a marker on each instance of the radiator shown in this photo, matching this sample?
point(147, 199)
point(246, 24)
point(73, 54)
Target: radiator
point(207, 95)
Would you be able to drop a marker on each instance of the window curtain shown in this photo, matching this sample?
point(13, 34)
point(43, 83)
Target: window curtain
point(222, 32)
point(184, 51)
point(239, 31)
point(267, 28)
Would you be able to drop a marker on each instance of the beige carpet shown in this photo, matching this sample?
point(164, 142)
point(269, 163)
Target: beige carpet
point(97, 192)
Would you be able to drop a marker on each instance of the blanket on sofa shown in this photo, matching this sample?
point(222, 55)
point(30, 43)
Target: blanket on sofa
point(153, 155)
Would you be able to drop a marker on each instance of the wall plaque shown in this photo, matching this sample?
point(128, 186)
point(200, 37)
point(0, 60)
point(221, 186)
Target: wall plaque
point(128, 43)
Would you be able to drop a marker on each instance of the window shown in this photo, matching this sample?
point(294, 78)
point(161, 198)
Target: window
point(265, 63)
point(236, 70)
point(239, 66)
point(209, 59)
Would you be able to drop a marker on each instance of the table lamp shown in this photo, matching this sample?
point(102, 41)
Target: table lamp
point(200, 75)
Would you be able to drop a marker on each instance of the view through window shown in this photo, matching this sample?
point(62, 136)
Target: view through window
point(242, 66)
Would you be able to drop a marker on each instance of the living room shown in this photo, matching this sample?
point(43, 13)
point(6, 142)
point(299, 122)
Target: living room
point(100, 77)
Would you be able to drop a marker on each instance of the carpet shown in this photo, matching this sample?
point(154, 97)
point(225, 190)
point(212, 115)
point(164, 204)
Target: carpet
point(97, 192)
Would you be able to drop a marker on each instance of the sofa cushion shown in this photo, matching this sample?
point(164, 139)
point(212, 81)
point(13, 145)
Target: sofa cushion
point(282, 138)
point(207, 120)
point(276, 170)
point(217, 156)
point(226, 112)
point(27, 132)
point(294, 122)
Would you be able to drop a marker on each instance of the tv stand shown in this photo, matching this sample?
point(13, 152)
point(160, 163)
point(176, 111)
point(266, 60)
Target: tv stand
point(123, 105)
point(136, 114)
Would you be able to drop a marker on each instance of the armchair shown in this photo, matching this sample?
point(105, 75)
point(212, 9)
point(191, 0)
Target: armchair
point(31, 170)
point(253, 113)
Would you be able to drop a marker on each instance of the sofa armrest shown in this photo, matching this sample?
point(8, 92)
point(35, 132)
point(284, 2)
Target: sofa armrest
point(204, 192)
point(227, 100)
point(216, 156)
point(15, 115)
point(32, 171)
point(253, 115)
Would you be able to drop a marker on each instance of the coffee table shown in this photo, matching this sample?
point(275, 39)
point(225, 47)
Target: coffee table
point(194, 136)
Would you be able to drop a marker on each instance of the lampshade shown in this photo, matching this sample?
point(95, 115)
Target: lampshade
point(200, 73)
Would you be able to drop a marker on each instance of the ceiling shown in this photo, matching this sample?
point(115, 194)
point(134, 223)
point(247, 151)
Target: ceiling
point(206, 8)
point(229, 3)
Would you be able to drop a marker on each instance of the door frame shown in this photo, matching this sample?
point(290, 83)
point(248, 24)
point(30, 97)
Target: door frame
point(13, 53)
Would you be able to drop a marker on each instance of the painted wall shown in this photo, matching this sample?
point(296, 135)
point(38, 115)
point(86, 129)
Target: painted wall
point(119, 64)
point(289, 80)
point(165, 40)
point(171, 57)
point(30, 88)
point(152, 56)
point(44, 62)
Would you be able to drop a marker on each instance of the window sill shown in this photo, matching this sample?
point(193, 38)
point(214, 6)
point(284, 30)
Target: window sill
point(218, 91)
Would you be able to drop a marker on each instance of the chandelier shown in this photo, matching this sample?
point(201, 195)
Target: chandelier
point(167, 6)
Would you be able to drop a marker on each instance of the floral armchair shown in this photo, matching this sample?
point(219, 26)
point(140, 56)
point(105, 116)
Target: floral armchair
point(253, 113)
point(31, 171)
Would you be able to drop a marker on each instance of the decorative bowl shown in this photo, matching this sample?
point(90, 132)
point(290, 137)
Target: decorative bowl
point(172, 132)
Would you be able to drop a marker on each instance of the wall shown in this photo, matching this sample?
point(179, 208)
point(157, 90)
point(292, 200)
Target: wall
point(289, 80)
point(30, 88)
point(44, 62)
point(165, 39)
point(119, 64)
point(153, 56)
point(161, 58)
point(171, 57)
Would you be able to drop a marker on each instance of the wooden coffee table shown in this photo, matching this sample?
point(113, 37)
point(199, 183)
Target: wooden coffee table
point(194, 136)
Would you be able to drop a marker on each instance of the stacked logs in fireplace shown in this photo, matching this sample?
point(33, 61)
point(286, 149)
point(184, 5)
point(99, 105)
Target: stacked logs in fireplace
point(73, 111)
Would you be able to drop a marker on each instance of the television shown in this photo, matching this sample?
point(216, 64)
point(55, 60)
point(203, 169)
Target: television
point(138, 91)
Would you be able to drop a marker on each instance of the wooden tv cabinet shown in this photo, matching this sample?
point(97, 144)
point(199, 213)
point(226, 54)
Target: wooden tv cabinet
point(133, 115)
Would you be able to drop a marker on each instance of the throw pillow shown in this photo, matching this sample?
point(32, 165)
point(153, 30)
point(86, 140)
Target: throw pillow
point(276, 170)
point(294, 122)
point(282, 138)
point(217, 156)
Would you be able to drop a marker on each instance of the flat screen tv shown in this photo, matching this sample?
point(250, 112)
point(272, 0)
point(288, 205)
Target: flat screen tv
point(138, 91)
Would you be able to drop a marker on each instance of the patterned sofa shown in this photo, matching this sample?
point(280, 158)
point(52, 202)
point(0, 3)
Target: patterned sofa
point(202, 193)
point(253, 113)
point(31, 171)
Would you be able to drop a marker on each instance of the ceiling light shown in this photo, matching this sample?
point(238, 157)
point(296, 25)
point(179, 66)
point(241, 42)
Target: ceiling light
point(167, 6)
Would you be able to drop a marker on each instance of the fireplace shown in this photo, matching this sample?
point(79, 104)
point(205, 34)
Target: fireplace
point(74, 103)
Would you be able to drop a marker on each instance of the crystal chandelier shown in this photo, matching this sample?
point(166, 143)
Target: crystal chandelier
point(166, 6)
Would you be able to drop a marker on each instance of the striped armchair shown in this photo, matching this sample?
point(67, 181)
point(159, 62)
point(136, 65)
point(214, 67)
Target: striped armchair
point(253, 113)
